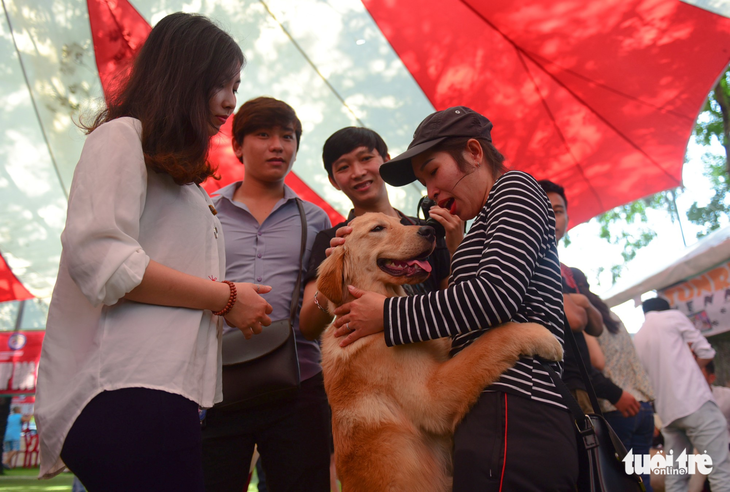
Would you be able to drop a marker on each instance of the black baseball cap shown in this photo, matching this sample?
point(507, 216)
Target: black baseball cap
point(458, 121)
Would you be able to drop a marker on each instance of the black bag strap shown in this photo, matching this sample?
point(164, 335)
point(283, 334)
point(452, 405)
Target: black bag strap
point(582, 367)
point(295, 294)
point(582, 421)
point(570, 402)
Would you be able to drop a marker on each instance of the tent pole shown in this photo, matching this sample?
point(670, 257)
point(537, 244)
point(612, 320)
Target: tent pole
point(676, 212)
point(33, 101)
point(19, 317)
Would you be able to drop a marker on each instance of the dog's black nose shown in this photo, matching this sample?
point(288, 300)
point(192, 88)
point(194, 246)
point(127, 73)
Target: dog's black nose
point(427, 231)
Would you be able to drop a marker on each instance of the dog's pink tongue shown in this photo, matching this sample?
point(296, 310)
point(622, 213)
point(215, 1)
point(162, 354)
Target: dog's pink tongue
point(425, 266)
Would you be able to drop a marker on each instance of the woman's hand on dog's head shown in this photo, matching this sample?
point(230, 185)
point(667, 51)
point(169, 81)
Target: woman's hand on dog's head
point(338, 240)
point(361, 317)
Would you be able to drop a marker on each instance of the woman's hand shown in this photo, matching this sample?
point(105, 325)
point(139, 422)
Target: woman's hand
point(250, 312)
point(361, 317)
point(453, 226)
point(338, 240)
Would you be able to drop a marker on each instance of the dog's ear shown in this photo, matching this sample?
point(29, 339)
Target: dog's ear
point(331, 276)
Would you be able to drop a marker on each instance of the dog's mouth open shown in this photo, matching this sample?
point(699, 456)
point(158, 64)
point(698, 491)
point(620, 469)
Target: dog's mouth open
point(405, 268)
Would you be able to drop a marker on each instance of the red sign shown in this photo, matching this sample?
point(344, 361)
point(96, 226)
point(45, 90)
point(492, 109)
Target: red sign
point(19, 355)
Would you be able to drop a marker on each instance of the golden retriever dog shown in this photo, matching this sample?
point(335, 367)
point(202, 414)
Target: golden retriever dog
point(394, 409)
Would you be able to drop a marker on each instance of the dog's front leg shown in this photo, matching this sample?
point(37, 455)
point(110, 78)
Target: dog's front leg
point(456, 384)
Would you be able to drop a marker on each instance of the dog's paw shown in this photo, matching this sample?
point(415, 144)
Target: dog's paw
point(541, 342)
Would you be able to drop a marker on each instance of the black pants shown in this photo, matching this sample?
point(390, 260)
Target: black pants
point(136, 439)
point(510, 443)
point(293, 438)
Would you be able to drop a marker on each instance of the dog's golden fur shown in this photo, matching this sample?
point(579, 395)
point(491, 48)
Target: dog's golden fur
point(394, 409)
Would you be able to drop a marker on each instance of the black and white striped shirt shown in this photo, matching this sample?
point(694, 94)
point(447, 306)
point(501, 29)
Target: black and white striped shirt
point(506, 269)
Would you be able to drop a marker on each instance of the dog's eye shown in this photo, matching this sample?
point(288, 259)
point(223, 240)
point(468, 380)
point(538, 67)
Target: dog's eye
point(377, 228)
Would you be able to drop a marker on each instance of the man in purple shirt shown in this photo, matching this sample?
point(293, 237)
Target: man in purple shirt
point(262, 231)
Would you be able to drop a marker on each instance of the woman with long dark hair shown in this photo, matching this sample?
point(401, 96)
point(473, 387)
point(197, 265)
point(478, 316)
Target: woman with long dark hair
point(624, 368)
point(133, 334)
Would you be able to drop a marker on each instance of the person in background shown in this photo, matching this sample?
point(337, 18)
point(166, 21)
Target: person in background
point(13, 433)
point(673, 352)
point(624, 368)
point(132, 343)
point(4, 414)
point(262, 226)
point(77, 486)
point(721, 393)
point(261, 475)
point(582, 316)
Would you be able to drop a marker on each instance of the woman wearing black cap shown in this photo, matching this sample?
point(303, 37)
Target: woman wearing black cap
point(519, 435)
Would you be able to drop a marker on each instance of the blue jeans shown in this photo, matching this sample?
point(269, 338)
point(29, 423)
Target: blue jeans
point(635, 432)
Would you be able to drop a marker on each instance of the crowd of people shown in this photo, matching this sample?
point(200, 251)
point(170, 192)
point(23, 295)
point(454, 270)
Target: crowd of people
point(132, 347)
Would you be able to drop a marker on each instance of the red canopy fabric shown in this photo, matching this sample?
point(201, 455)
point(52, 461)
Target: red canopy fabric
point(118, 31)
point(600, 97)
point(11, 289)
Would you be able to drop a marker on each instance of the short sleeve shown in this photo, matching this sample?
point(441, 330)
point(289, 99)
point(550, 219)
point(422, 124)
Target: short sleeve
point(321, 243)
point(100, 240)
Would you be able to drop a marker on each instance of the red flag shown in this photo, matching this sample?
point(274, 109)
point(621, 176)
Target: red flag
point(11, 289)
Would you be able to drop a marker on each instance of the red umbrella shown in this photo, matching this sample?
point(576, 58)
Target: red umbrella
point(600, 97)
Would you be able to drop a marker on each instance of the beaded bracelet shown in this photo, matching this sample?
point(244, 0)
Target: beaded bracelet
point(316, 302)
point(231, 299)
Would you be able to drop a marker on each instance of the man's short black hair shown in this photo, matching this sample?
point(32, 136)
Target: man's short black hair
point(550, 187)
point(710, 367)
point(655, 304)
point(348, 139)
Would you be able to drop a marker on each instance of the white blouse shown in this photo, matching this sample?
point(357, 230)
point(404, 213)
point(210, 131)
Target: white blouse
point(121, 215)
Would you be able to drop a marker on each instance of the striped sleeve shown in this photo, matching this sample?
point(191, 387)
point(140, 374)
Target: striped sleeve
point(491, 271)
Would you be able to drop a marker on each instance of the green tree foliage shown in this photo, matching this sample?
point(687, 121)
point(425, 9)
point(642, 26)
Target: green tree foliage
point(709, 217)
point(713, 125)
point(713, 122)
point(629, 226)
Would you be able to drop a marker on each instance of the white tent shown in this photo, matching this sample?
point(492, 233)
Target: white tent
point(702, 256)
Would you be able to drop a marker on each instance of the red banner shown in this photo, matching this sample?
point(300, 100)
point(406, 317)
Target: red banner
point(19, 355)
